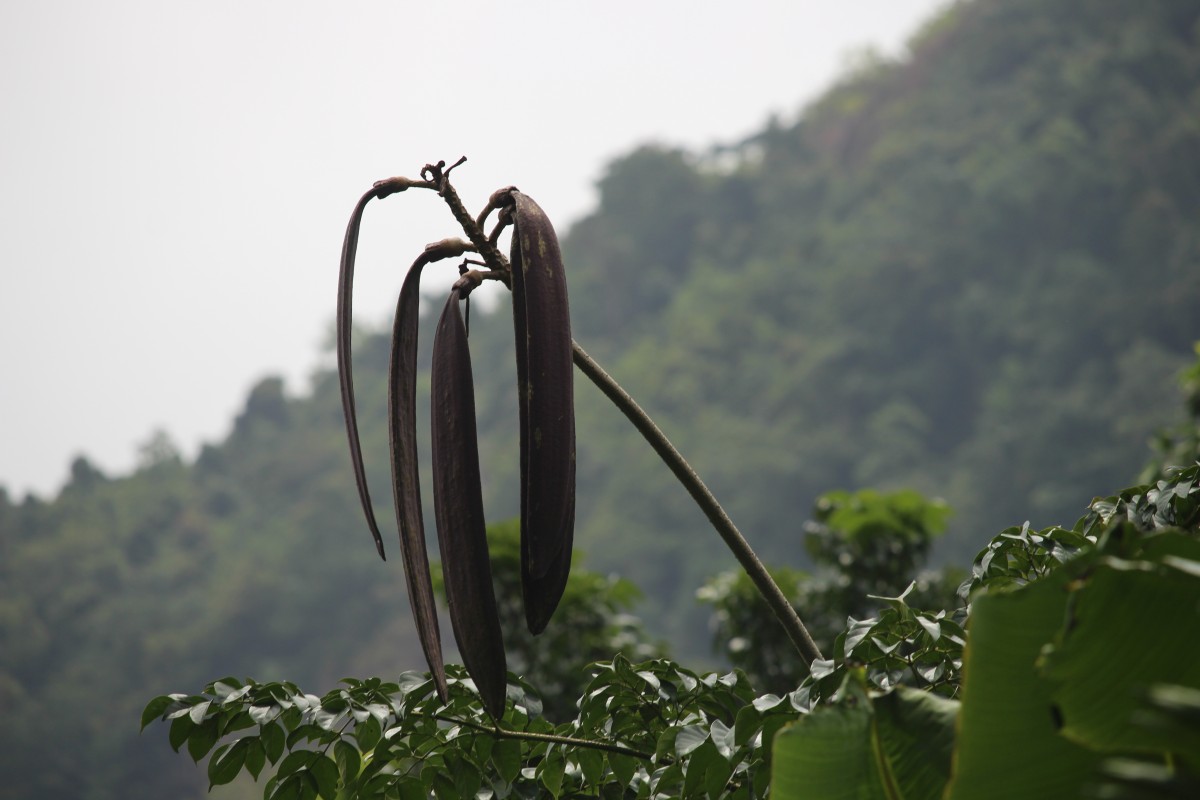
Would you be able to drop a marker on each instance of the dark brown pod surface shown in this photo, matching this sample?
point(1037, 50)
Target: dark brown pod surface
point(458, 507)
point(545, 381)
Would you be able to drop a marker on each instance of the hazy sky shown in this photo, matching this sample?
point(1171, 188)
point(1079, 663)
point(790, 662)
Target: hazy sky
point(175, 177)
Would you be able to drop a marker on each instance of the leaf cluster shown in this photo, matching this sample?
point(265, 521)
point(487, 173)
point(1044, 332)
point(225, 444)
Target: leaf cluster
point(870, 548)
point(1069, 677)
point(647, 730)
point(1068, 666)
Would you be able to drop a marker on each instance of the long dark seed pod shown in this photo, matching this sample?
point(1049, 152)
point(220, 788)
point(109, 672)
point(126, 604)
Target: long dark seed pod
point(344, 316)
point(458, 506)
point(402, 438)
point(545, 383)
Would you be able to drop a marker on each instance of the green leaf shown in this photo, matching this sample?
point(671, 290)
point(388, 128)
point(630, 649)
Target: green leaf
point(325, 773)
point(181, 729)
point(410, 789)
point(1174, 712)
point(1128, 629)
point(273, 739)
point(915, 733)
point(467, 779)
point(746, 724)
point(766, 702)
point(349, 760)
point(689, 738)
point(368, 733)
point(827, 754)
point(303, 733)
point(261, 715)
point(289, 788)
point(591, 764)
point(198, 711)
point(932, 627)
point(886, 747)
point(1008, 745)
point(695, 768)
point(483, 748)
point(623, 767)
point(722, 737)
point(226, 763)
point(506, 755)
point(551, 771)
point(433, 774)
point(155, 709)
point(202, 739)
point(256, 756)
point(295, 762)
point(716, 777)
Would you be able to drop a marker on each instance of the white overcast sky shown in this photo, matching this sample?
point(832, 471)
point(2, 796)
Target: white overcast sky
point(175, 177)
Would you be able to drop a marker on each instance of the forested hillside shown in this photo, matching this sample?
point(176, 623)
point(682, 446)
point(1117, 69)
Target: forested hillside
point(972, 272)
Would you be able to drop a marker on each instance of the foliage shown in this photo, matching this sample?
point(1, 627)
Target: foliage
point(1072, 635)
point(1069, 675)
point(650, 730)
point(1074, 676)
point(868, 546)
point(946, 274)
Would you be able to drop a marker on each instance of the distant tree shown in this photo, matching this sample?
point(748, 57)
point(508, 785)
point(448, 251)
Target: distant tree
point(866, 545)
point(159, 450)
point(84, 475)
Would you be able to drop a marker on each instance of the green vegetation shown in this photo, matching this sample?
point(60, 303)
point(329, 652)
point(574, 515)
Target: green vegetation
point(867, 546)
point(1076, 672)
point(969, 273)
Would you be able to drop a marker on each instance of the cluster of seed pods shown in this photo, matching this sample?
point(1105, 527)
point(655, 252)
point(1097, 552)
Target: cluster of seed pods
point(534, 272)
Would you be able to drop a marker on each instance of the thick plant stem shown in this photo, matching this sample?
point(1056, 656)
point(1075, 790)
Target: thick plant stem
point(734, 540)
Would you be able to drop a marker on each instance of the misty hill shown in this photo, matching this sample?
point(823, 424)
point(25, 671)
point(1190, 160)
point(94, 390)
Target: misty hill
point(972, 272)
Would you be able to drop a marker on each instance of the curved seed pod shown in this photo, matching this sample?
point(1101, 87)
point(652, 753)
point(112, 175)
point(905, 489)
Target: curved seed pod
point(406, 485)
point(406, 490)
point(547, 417)
point(458, 506)
point(344, 315)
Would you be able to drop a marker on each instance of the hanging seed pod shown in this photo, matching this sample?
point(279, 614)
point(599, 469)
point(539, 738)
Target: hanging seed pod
point(458, 506)
point(401, 422)
point(402, 439)
point(547, 418)
point(345, 302)
point(406, 484)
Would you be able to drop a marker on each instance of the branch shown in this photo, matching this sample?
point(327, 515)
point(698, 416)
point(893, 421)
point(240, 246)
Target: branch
point(770, 591)
point(783, 610)
point(532, 736)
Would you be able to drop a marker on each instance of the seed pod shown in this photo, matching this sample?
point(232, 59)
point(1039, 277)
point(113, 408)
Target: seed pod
point(458, 506)
point(547, 418)
point(345, 303)
point(345, 368)
point(407, 492)
point(406, 484)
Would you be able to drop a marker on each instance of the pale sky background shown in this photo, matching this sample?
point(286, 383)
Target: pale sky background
point(175, 177)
